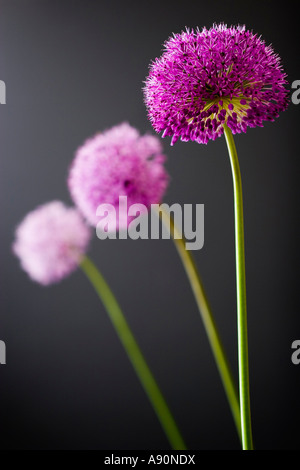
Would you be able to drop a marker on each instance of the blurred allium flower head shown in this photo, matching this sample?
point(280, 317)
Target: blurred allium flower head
point(117, 162)
point(51, 241)
point(207, 78)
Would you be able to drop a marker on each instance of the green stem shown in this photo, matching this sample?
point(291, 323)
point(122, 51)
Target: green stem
point(241, 293)
point(207, 317)
point(134, 353)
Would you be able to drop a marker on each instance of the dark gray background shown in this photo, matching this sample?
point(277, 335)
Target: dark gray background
point(73, 68)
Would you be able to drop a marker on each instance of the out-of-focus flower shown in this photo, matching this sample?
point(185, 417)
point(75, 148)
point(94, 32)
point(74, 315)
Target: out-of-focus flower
point(117, 162)
point(51, 241)
point(207, 78)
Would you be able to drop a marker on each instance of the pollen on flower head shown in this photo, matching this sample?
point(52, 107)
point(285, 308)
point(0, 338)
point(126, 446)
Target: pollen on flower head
point(51, 241)
point(117, 162)
point(207, 78)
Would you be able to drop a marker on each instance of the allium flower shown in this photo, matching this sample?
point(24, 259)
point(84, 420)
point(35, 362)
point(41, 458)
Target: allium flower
point(210, 77)
point(117, 162)
point(51, 241)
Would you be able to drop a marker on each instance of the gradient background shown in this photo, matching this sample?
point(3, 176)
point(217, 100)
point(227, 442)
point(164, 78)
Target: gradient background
point(73, 68)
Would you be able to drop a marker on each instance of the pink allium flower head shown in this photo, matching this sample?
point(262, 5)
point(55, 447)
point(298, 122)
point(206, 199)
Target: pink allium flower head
point(206, 78)
point(117, 162)
point(51, 241)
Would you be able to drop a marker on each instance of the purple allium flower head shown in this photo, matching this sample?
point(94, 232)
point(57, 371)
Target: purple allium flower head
point(207, 78)
point(117, 162)
point(51, 241)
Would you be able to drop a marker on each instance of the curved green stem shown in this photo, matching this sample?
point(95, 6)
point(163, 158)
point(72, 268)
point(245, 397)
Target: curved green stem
point(134, 353)
point(241, 293)
point(207, 317)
